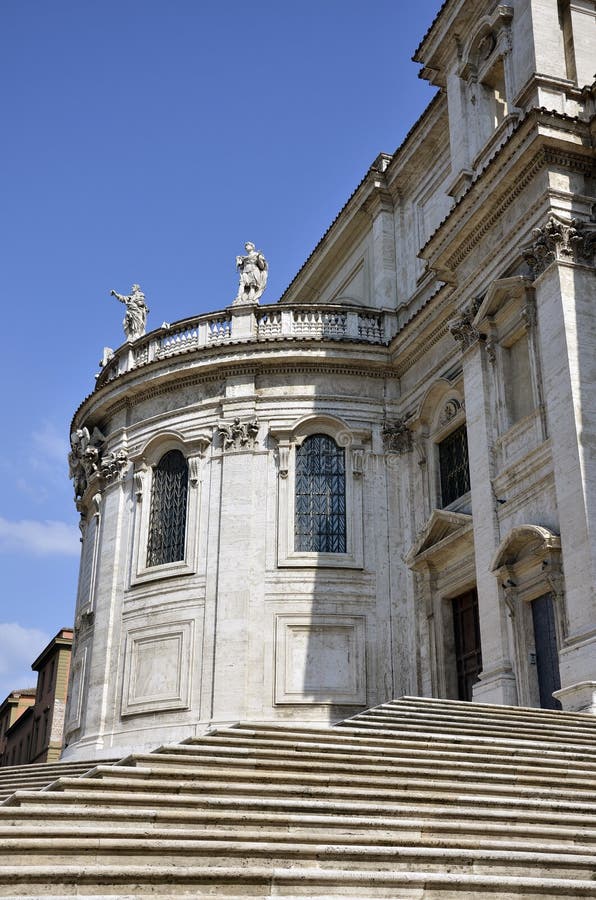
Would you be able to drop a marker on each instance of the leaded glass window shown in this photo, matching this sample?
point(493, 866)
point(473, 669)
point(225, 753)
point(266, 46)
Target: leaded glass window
point(320, 515)
point(167, 518)
point(453, 463)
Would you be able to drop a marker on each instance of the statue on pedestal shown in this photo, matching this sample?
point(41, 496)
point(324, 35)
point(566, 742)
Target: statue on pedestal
point(253, 275)
point(136, 312)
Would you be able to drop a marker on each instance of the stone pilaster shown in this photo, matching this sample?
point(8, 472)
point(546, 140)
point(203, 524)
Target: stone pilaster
point(238, 582)
point(562, 257)
point(497, 680)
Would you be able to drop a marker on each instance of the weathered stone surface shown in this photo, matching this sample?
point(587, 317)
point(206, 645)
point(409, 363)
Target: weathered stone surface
point(437, 797)
point(449, 310)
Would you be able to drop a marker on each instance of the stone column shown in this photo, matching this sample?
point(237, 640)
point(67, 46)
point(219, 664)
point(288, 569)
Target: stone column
point(497, 680)
point(562, 257)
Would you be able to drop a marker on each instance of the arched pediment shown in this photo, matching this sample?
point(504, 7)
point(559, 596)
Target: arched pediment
point(323, 423)
point(525, 541)
point(432, 399)
point(158, 444)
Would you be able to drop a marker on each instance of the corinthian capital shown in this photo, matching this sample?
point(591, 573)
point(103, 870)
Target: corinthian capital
point(462, 330)
point(571, 241)
point(397, 437)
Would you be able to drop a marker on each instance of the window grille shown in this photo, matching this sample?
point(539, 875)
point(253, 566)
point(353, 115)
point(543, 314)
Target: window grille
point(167, 519)
point(320, 518)
point(453, 464)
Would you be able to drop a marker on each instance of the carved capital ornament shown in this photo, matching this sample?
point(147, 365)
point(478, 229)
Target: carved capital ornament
point(397, 437)
point(237, 435)
point(462, 330)
point(572, 241)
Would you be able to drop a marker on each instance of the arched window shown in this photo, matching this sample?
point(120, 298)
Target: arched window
point(320, 510)
point(167, 518)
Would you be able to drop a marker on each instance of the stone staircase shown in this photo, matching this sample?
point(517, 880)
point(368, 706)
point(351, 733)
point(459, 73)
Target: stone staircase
point(36, 776)
point(416, 798)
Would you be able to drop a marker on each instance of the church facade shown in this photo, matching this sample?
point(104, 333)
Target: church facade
point(384, 483)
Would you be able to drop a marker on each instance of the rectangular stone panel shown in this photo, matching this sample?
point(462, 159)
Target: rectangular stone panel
point(157, 669)
point(320, 659)
point(75, 696)
point(87, 571)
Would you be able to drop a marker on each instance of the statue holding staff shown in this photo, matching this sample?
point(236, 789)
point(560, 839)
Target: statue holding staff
point(136, 312)
point(253, 275)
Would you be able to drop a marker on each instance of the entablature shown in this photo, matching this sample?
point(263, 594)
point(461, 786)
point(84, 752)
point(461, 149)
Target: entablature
point(540, 140)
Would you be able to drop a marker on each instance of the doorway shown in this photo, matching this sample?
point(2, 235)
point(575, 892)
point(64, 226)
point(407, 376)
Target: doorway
point(547, 656)
point(468, 653)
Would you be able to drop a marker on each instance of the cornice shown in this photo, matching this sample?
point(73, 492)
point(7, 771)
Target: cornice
point(507, 197)
point(104, 410)
point(462, 226)
point(239, 357)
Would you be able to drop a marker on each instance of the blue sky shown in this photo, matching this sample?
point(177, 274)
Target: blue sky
point(146, 141)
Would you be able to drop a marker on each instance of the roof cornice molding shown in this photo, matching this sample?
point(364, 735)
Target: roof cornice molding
point(99, 407)
point(531, 147)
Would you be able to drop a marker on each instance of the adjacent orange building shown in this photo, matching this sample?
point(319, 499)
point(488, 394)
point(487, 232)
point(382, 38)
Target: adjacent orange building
point(32, 720)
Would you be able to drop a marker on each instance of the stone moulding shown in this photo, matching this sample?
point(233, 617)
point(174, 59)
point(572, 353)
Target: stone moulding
point(101, 405)
point(438, 245)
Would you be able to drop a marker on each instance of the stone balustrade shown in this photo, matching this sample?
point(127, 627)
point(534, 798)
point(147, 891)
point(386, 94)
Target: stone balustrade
point(252, 324)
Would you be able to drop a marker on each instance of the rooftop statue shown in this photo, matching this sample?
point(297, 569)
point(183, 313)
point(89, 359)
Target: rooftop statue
point(253, 275)
point(136, 312)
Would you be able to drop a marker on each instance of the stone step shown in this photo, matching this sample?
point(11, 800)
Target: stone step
point(57, 851)
point(275, 770)
point(8, 772)
point(235, 882)
point(434, 727)
point(362, 756)
point(375, 743)
point(410, 718)
point(407, 800)
point(407, 833)
point(403, 724)
point(518, 715)
point(298, 815)
point(279, 783)
point(418, 803)
point(584, 729)
point(38, 775)
point(491, 710)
